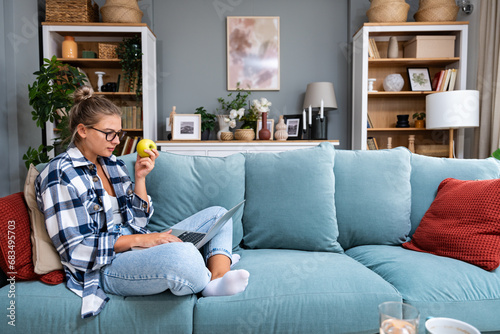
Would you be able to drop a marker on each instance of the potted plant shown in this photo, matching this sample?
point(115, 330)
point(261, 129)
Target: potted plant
point(207, 122)
point(50, 96)
point(129, 52)
point(233, 110)
point(419, 119)
point(496, 154)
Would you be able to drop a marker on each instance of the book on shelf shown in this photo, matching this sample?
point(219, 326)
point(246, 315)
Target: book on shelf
point(369, 121)
point(371, 42)
point(131, 117)
point(445, 80)
point(371, 144)
point(130, 145)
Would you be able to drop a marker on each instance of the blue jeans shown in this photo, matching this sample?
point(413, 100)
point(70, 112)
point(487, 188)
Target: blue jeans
point(177, 266)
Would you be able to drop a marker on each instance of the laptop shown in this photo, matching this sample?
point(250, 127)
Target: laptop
point(199, 239)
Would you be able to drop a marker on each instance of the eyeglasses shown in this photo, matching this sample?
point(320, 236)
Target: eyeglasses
point(111, 135)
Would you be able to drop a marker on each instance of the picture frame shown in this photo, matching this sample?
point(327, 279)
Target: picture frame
point(420, 79)
point(186, 127)
point(294, 124)
point(270, 127)
point(253, 53)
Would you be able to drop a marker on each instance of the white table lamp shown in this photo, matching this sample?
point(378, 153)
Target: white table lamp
point(452, 110)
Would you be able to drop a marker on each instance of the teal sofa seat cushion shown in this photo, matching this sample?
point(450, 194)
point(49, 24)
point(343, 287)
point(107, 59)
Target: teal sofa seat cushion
point(428, 172)
point(292, 291)
point(290, 200)
point(437, 286)
point(181, 186)
point(42, 308)
point(372, 196)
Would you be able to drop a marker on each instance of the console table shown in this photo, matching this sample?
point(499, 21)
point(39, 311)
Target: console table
point(215, 148)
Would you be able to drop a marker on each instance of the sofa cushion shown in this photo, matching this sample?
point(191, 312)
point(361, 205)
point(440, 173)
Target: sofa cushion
point(373, 196)
point(180, 186)
point(290, 200)
point(437, 286)
point(463, 222)
point(293, 291)
point(15, 244)
point(55, 309)
point(428, 172)
point(45, 256)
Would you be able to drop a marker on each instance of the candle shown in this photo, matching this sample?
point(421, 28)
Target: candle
point(310, 115)
point(321, 110)
point(304, 119)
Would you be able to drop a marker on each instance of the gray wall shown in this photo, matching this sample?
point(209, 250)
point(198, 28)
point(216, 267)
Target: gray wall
point(192, 55)
point(191, 45)
point(19, 58)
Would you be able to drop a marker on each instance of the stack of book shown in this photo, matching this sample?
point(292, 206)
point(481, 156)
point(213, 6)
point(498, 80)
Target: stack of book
point(373, 49)
point(131, 117)
point(129, 145)
point(444, 80)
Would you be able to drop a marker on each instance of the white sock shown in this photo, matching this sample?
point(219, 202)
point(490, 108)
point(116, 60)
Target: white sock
point(233, 282)
point(235, 258)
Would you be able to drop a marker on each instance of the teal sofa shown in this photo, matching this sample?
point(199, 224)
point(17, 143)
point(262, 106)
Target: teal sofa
point(320, 234)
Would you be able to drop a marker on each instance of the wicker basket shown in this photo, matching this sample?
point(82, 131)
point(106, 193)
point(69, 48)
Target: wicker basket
point(108, 50)
point(71, 11)
point(244, 134)
point(121, 11)
point(437, 14)
point(394, 11)
point(226, 136)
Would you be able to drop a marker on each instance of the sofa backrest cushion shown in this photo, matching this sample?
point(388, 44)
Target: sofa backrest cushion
point(290, 200)
point(181, 186)
point(428, 172)
point(372, 196)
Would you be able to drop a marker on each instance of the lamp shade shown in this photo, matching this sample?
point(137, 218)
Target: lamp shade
point(317, 91)
point(454, 109)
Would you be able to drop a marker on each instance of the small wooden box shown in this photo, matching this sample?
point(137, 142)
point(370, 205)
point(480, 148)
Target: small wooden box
point(108, 50)
point(430, 47)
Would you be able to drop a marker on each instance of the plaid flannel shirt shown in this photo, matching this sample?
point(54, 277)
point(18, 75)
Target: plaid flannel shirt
point(79, 218)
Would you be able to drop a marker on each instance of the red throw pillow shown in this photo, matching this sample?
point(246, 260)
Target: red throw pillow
point(15, 243)
point(463, 222)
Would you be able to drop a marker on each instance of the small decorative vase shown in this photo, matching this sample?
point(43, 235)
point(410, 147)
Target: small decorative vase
point(205, 134)
point(264, 133)
point(420, 123)
point(392, 48)
point(403, 121)
point(393, 82)
point(223, 126)
point(100, 81)
point(69, 47)
point(281, 130)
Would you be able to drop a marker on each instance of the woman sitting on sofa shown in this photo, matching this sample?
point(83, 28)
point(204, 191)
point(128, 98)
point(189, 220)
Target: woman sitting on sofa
point(95, 215)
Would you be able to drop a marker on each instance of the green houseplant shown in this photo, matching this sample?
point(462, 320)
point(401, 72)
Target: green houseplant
point(496, 154)
point(207, 122)
point(419, 118)
point(130, 55)
point(50, 96)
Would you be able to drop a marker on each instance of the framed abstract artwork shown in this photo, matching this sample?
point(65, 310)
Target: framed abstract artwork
point(253, 52)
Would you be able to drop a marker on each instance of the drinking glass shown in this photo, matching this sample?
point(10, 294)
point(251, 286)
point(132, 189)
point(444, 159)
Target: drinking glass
point(398, 318)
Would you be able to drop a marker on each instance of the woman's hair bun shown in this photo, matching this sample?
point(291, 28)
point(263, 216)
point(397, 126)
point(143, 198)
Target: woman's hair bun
point(83, 93)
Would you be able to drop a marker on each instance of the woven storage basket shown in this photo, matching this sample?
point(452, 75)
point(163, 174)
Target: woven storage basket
point(394, 11)
point(437, 14)
point(71, 11)
point(226, 136)
point(121, 11)
point(244, 134)
point(108, 50)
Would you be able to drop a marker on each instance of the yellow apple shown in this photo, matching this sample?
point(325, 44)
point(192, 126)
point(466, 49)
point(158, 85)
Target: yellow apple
point(145, 144)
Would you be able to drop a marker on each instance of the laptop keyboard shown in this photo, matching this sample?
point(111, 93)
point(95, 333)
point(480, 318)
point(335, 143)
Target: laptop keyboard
point(192, 237)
